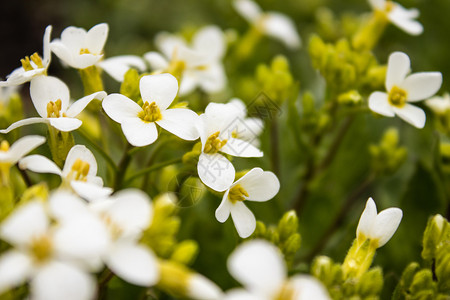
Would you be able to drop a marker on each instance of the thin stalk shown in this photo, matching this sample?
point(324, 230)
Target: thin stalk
point(122, 168)
point(25, 177)
point(275, 142)
point(152, 168)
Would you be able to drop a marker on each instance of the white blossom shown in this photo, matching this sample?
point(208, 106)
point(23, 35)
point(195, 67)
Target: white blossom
point(117, 66)
point(439, 104)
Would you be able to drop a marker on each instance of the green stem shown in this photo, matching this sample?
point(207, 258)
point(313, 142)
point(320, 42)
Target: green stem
point(92, 81)
point(152, 168)
point(122, 168)
point(275, 149)
point(100, 150)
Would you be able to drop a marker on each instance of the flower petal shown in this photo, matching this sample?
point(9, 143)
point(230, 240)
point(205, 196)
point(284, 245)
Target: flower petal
point(73, 38)
point(367, 219)
point(117, 66)
point(65, 205)
point(156, 61)
point(215, 171)
point(201, 288)
point(397, 68)
point(189, 81)
point(15, 267)
point(90, 191)
point(44, 89)
point(259, 266)
point(39, 164)
point(422, 85)
point(224, 209)
point(24, 145)
point(47, 55)
point(411, 114)
point(134, 263)
point(404, 19)
point(63, 53)
point(56, 281)
point(65, 124)
point(281, 27)
point(83, 153)
point(23, 122)
point(181, 122)
point(385, 225)
point(161, 89)
point(241, 148)
point(243, 219)
point(118, 107)
point(78, 106)
point(260, 185)
point(377, 4)
point(248, 9)
point(96, 38)
point(138, 132)
point(210, 40)
point(212, 79)
point(379, 103)
point(307, 287)
point(240, 294)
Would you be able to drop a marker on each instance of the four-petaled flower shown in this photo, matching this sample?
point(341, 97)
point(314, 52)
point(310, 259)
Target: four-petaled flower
point(80, 49)
point(138, 122)
point(403, 88)
point(51, 98)
point(273, 24)
point(379, 228)
point(256, 185)
point(399, 16)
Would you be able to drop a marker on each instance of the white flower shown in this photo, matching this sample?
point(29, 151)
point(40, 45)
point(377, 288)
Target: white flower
point(247, 129)
point(31, 66)
point(117, 66)
point(379, 228)
point(51, 98)
point(256, 185)
point(80, 49)
point(216, 128)
point(439, 105)
point(49, 255)
point(79, 172)
point(260, 268)
point(273, 24)
point(399, 16)
point(11, 155)
point(402, 89)
point(200, 65)
point(138, 123)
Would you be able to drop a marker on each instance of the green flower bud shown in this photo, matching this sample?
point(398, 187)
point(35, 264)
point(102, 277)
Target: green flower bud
point(39, 191)
point(308, 104)
point(288, 225)
point(60, 144)
point(444, 150)
point(185, 252)
point(423, 284)
point(260, 230)
point(190, 192)
point(371, 283)
point(387, 156)
point(432, 236)
point(130, 85)
point(443, 271)
point(350, 97)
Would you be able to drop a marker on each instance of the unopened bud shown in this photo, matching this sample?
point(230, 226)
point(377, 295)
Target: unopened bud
point(371, 283)
point(432, 236)
point(288, 225)
point(185, 252)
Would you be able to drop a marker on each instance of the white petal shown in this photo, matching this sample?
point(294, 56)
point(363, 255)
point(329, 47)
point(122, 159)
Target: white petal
point(46, 41)
point(24, 145)
point(63, 52)
point(39, 164)
point(96, 38)
point(249, 129)
point(65, 205)
point(240, 294)
point(210, 40)
point(73, 38)
point(23, 122)
point(259, 266)
point(404, 19)
point(134, 263)
point(138, 132)
point(422, 85)
point(156, 61)
point(189, 81)
point(201, 288)
point(118, 107)
point(25, 223)
point(65, 124)
point(15, 267)
point(397, 68)
point(241, 148)
point(379, 103)
point(367, 219)
point(260, 185)
point(19, 76)
point(307, 287)
point(56, 281)
point(385, 225)
point(90, 191)
point(213, 78)
point(243, 219)
point(378, 4)
point(411, 114)
point(44, 89)
point(83, 153)
point(85, 60)
point(181, 122)
point(281, 27)
point(78, 106)
point(168, 43)
point(117, 66)
point(215, 171)
point(223, 211)
point(248, 9)
point(161, 89)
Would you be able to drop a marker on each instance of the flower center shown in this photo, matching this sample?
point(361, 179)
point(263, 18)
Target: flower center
point(4, 146)
point(389, 6)
point(115, 230)
point(41, 248)
point(54, 109)
point(287, 292)
point(397, 96)
point(35, 58)
point(214, 144)
point(237, 193)
point(84, 51)
point(150, 112)
point(79, 171)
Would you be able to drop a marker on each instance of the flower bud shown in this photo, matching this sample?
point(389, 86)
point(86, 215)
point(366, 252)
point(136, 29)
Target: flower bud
point(433, 235)
point(371, 283)
point(288, 225)
point(185, 252)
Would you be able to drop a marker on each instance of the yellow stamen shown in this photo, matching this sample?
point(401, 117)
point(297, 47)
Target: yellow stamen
point(37, 60)
point(26, 64)
point(397, 96)
point(150, 112)
point(389, 6)
point(287, 292)
point(84, 51)
point(54, 109)
point(115, 230)
point(237, 193)
point(41, 248)
point(214, 144)
point(4, 146)
point(79, 171)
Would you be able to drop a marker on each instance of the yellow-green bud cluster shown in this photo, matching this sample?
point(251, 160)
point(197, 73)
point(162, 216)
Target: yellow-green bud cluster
point(387, 157)
point(130, 85)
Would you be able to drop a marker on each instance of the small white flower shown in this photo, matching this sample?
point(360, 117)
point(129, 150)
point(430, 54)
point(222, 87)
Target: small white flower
point(139, 123)
point(399, 16)
point(31, 66)
point(117, 66)
point(403, 88)
point(11, 155)
point(379, 228)
point(256, 185)
point(80, 49)
point(216, 128)
point(200, 64)
point(439, 105)
point(247, 129)
point(50, 256)
point(79, 172)
point(51, 99)
point(260, 268)
point(273, 24)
